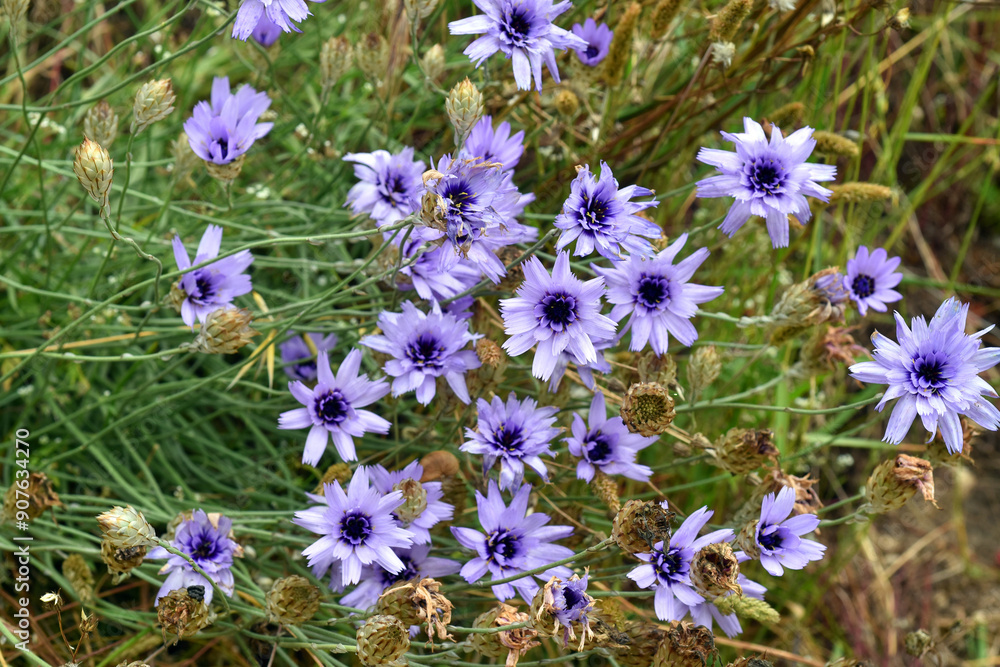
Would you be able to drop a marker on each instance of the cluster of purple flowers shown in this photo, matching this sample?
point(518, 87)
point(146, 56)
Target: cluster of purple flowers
point(207, 541)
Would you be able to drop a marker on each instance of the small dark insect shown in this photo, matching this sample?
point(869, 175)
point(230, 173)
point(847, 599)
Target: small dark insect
point(128, 553)
point(196, 592)
point(653, 523)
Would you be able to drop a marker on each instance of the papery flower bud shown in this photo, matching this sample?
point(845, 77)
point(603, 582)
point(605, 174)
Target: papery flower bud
point(337, 472)
point(829, 143)
point(433, 62)
point(94, 169)
point(566, 103)
point(830, 347)
point(101, 124)
point(382, 640)
point(658, 368)
point(685, 645)
point(372, 55)
point(414, 500)
point(418, 603)
point(121, 560)
point(517, 641)
point(728, 20)
point(488, 644)
point(647, 409)
point(663, 15)
point(606, 489)
point(715, 571)
point(226, 173)
point(225, 331)
point(620, 51)
point(126, 527)
point(703, 368)
point(182, 614)
point(639, 525)
point(640, 644)
point(894, 482)
point(334, 61)
point(78, 574)
point(419, 9)
point(465, 107)
point(743, 450)
point(858, 193)
point(185, 159)
point(818, 299)
point(292, 601)
point(51, 601)
point(153, 102)
point(40, 497)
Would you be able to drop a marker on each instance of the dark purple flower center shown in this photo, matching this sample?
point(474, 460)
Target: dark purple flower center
point(224, 145)
point(557, 310)
point(205, 547)
point(509, 438)
point(516, 26)
point(425, 352)
point(596, 216)
point(502, 546)
point(459, 195)
point(408, 572)
point(653, 292)
point(863, 286)
point(669, 566)
point(766, 176)
point(307, 369)
point(205, 289)
point(592, 51)
point(332, 407)
point(598, 448)
point(355, 527)
point(393, 189)
point(929, 374)
point(771, 541)
point(573, 598)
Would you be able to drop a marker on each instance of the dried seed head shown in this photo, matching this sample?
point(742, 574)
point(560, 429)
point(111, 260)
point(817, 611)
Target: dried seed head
point(830, 347)
point(414, 500)
point(545, 622)
point(465, 107)
point(788, 116)
point(647, 409)
point(639, 525)
point(750, 661)
point(723, 54)
point(121, 560)
point(489, 353)
point(225, 331)
point(334, 61)
point(87, 623)
point(225, 174)
point(746, 539)
point(153, 102)
point(747, 607)
point(728, 20)
point(101, 124)
point(639, 644)
point(338, 472)
point(620, 51)
point(433, 62)
point(829, 143)
point(715, 570)
point(566, 103)
point(488, 645)
point(685, 645)
point(126, 527)
point(606, 489)
point(292, 601)
point(51, 601)
point(661, 369)
point(918, 643)
point(94, 169)
point(382, 640)
point(40, 497)
point(519, 640)
point(818, 299)
point(78, 574)
point(418, 603)
point(859, 193)
point(743, 450)
point(185, 159)
point(663, 15)
point(894, 482)
point(419, 9)
point(372, 56)
point(703, 368)
point(181, 614)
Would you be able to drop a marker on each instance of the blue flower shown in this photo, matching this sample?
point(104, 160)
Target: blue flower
point(267, 31)
point(283, 13)
point(607, 445)
point(934, 372)
point(297, 350)
point(779, 538)
point(598, 38)
point(870, 279)
point(213, 286)
point(389, 185)
point(498, 146)
point(225, 128)
point(207, 541)
point(770, 180)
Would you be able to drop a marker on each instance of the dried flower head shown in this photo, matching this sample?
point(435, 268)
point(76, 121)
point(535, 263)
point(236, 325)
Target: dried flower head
point(894, 482)
point(433, 62)
point(94, 169)
point(292, 600)
point(335, 59)
point(225, 331)
point(153, 102)
point(418, 602)
point(126, 527)
point(382, 641)
point(519, 640)
point(101, 124)
point(38, 493)
point(77, 572)
point(743, 450)
point(818, 299)
point(121, 560)
point(715, 571)
point(372, 55)
point(183, 612)
point(685, 645)
point(647, 409)
point(563, 605)
point(641, 524)
point(703, 368)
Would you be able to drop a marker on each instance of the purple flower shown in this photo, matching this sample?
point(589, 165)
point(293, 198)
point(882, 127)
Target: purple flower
point(425, 347)
point(523, 31)
point(375, 579)
point(558, 313)
point(297, 350)
point(570, 601)
point(357, 527)
point(657, 295)
point(478, 202)
point(283, 13)
point(485, 144)
point(870, 279)
point(934, 372)
point(667, 567)
point(332, 408)
point(599, 215)
point(606, 445)
point(208, 544)
point(389, 185)
point(516, 434)
point(213, 286)
point(267, 31)
point(585, 371)
point(225, 128)
point(598, 38)
point(511, 542)
point(778, 537)
point(435, 510)
point(767, 179)
point(436, 274)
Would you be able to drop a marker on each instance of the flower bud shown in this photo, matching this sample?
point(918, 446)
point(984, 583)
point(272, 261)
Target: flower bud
point(620, 51)
point(685, 645)
point(703, 368)
point(465, 107)
point(101, 124)
point(226, 173)
point(292, 601)
point(418, 603)
point(728, 20)
point(225, 331)
point(382, 640)
point(715, 570)
point(894, 482)
point(419, 9)
point(639, 525)
point(606, 489)
point(126, 527)
point(859, 193)
point(80, 578)
point(182, 614)
point(94, 169)
point(647, 409)
point(334, 61)
point(153, 102)
point(434, 62)
point(40, 497)
point(372, 55)
point(566, 103)
point(121, 560)
point(414, 500)
point(834, 145)
point(663, 15)
point(743, 450)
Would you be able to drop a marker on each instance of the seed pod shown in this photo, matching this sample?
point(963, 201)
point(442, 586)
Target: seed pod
point(126, 527)
point(153, 102)
point(566, 103)
point(743, 450)
point(418, 603)
point(292, 601)
point(40, 497)
point(829, 143)
point(620, 51)
point(517, 641)
point(334, 61)
point(647, 409)
point(663, 15)
point(639, 525)
point(703, 368)
point(858, 193)
point(715, 571)
point(77, 572)
point(642, 639)
point(101, 124)
point(225, 174)
point(818, 299)
point(414, 500)
point(372, 56)
point(382, 640)
point(728, 20)
point(94, 169)
point(488, 645)
point(181, 614)
point(338, 472)
point(606, 489)
point(225, 331)
point(685, 645)
point(894, 482)
point(433, 62)
point(121, 560)
point(465, 107)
